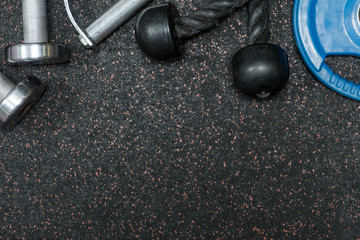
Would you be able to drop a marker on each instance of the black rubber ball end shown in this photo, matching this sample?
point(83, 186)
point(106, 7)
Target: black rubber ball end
point(155, 32)
point(260, 70)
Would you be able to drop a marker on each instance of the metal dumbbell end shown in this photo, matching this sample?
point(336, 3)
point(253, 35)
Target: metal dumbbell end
point(17, 100)
point(108, 22)
point(36, 49)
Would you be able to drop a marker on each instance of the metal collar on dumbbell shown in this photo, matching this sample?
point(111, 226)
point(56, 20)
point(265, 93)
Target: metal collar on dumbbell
point(36, 49)
point(108, 22)
point(17, 100)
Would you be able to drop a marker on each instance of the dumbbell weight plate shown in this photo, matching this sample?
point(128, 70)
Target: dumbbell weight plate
point(328, 28)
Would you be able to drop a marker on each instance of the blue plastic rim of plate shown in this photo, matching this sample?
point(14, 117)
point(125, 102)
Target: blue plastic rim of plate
point(328, 28)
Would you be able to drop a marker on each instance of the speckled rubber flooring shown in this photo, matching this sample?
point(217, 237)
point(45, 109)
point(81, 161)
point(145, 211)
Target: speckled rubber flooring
point(122, 147)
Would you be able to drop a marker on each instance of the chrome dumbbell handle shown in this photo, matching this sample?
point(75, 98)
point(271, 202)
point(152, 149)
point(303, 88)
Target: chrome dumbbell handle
point(113, 18)
point(108, 22)
point(34, 21)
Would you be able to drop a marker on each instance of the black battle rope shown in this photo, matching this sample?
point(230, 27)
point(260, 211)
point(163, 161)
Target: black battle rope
point(208, 16)
point(258, 25)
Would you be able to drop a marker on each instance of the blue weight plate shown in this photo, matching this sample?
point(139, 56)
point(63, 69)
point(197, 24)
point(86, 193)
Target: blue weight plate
point(328, 28)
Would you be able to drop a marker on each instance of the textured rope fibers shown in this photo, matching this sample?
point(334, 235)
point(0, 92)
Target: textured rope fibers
point(208, 16)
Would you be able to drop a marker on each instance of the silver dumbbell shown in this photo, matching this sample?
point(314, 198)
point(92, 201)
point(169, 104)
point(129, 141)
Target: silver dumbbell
point(36, 49)
point(108, 22)
point(17, 100)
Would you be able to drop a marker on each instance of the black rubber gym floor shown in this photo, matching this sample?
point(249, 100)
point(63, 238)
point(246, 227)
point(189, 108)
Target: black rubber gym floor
point(123, 147)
